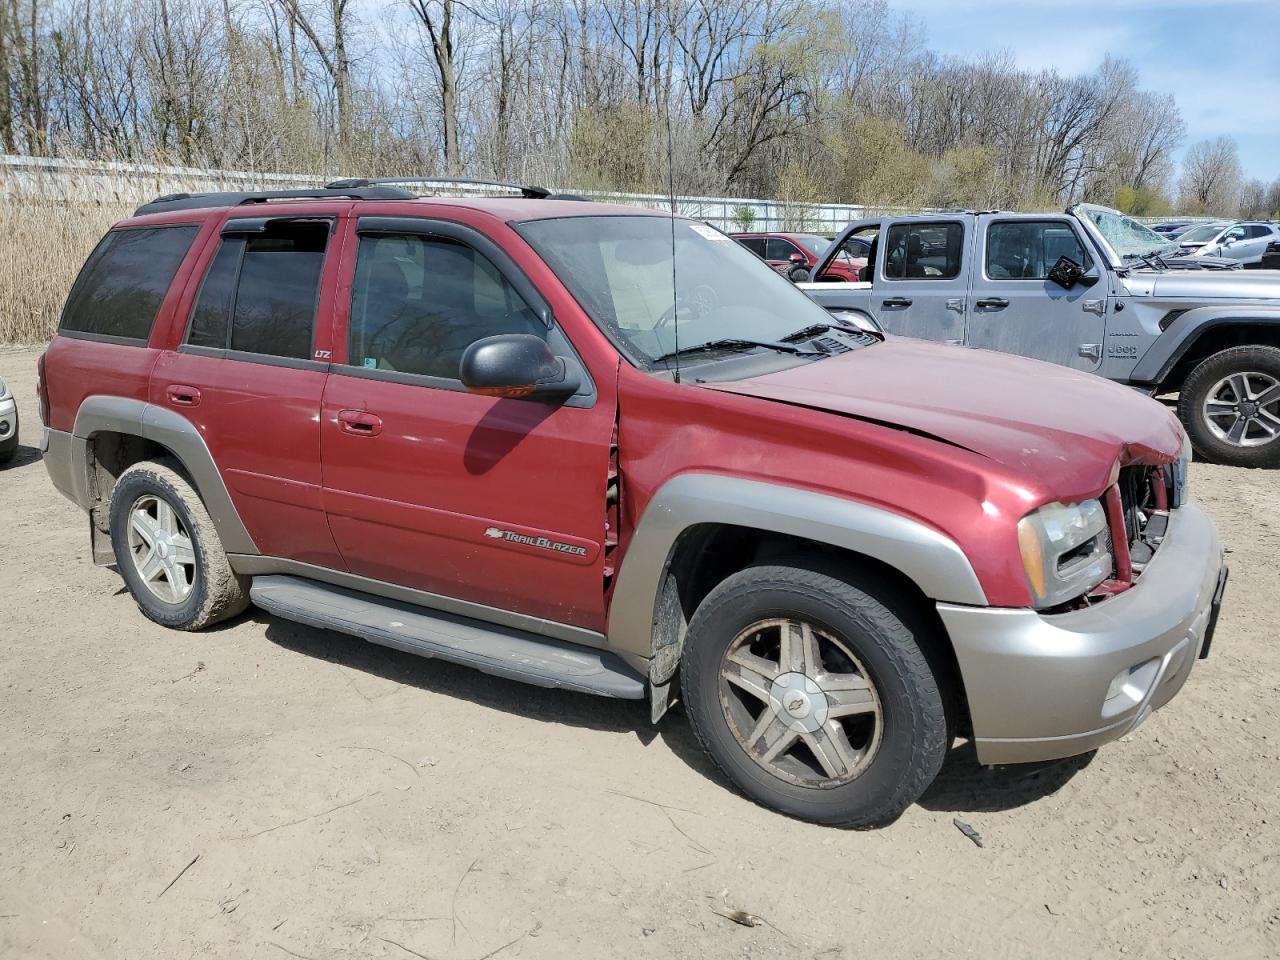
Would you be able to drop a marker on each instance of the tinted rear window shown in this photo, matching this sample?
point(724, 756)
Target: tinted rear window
point(122, 285)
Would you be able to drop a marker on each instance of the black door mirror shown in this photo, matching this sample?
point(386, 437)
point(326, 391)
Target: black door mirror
point(516, 365)
point(1066, 273)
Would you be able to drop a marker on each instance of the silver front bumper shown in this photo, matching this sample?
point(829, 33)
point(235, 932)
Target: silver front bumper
point(1038, 685)
point(8, 420)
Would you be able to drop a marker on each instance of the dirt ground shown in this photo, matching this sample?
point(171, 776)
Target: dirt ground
point(268, 790)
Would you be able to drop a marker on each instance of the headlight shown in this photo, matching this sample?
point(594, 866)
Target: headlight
point(4, 389)
point(1178, 475)
point(1064, 550)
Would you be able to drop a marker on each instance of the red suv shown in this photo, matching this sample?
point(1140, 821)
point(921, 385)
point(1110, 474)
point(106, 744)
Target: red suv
point(794, 255)
point(492, 431)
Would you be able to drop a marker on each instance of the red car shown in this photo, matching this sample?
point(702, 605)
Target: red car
point(491, 431)
point(795, 254)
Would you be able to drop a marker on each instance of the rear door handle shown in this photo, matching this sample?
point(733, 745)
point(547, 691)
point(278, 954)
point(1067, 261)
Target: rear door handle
point(993, 303)
point(359, 423)
point(896, 302)
point(182, 395)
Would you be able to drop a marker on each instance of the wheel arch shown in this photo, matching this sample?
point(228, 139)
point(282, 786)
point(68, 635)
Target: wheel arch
point(111, 434)
point(1202, 337)
point(701, 528)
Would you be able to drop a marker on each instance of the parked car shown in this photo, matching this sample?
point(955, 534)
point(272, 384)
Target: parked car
point(1242, 241)
point(1090, 289)
point(1173, 229)
point(794, 254)
point(476, 430)
point(8, 423)
point(1271, 257)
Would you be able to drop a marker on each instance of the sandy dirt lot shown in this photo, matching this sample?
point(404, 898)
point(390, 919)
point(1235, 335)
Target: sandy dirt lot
point(267, 790)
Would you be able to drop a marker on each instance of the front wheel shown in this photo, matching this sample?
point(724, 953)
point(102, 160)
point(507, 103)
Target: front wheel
point(1230, 406)
point(813, 697)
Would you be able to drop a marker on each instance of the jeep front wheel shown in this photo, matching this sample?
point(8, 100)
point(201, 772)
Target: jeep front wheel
point(168, 551)
point(1230, 406)
point(813, 697)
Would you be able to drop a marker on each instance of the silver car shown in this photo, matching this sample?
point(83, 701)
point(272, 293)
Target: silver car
point(8, 423)
point(1242, 240)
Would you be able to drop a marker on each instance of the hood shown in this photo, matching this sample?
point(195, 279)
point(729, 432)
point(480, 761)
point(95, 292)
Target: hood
point(1067, 429)
point(1215, 285)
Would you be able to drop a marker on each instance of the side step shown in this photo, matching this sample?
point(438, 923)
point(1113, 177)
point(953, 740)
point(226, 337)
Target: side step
point(501, 651)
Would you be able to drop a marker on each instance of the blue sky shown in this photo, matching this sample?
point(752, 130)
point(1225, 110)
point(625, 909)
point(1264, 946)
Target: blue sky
point(1219, 58)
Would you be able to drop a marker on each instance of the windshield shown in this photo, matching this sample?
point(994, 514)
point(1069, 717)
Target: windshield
point(1129, 239)
point(619, 269)
point(1203, 233)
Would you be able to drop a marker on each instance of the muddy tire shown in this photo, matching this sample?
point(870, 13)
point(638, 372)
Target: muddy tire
point(1230, 406)
point(813, 697)
point(168, 551)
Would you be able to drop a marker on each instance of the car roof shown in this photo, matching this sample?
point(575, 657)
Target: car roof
point(507, 209)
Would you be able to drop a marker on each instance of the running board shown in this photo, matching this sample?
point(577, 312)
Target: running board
point(501, 651)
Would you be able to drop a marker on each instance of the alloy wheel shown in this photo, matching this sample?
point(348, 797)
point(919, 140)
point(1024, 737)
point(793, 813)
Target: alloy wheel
point(161, 549)
point(799, 702)
point(1243, 409)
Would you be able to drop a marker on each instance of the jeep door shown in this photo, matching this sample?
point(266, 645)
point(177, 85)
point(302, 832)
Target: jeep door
point(490, 501)
point(921, 279)
point(249, 368)
point(1015, 308)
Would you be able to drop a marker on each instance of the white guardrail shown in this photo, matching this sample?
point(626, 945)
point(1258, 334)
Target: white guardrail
point(58, 180)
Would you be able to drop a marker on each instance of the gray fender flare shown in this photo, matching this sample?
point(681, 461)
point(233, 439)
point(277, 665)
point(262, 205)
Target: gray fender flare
point(171, 430)
point(930, 559)
point(1172, 345)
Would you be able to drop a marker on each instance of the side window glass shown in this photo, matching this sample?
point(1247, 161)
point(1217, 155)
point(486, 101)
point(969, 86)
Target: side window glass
point(923, 251)
point(121, 287)
point(754, 244)
point(417, 303)
point(1028, 249)
point(777, 249)
point(279, 282)
point(212, 312)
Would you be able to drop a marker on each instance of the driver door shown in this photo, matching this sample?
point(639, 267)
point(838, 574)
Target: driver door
point(1015, 308)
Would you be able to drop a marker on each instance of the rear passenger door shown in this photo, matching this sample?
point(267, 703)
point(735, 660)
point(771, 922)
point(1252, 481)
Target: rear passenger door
point(1014, 308)
point(922, 277)
point(246, 374)
point(495, 502)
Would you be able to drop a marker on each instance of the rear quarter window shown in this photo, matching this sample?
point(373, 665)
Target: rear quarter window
point(124, 281)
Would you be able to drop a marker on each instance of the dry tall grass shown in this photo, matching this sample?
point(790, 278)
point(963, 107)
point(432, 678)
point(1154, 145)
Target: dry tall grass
point(43, 244)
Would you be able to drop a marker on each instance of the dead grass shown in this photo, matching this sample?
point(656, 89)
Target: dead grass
point(43, 244)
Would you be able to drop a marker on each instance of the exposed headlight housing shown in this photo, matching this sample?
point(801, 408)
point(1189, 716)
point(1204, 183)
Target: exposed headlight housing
point(4, 389)
point(1065, 550)
point(1178, 475)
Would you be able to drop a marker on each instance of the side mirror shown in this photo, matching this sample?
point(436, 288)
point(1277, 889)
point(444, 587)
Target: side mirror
point(1066, 273)
point(798, 259)
point(516, 365)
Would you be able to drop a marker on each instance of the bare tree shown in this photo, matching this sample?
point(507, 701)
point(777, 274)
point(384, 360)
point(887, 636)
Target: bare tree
point(1211, 177)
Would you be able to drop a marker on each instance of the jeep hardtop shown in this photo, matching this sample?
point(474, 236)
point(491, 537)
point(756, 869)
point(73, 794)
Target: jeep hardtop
point(608, 450)
point(1091, 289)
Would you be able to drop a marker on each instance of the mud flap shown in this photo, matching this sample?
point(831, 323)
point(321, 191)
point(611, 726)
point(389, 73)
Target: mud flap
point(669, 629)
point(100, 537)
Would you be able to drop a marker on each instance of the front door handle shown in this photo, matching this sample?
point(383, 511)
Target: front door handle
point(359, 423)
point(182, 395)
point(992, 303)
point(896, 302)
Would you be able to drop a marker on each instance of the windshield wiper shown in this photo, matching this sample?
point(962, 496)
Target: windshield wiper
point(804, 333)
point(730, 343)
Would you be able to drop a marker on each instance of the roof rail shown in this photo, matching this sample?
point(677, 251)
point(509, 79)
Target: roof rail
point(527, 191)
point(192, 201)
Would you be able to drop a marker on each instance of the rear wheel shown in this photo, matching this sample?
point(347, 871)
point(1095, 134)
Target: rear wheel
point(813, 697)
point(168, 551)
point(1230, 406)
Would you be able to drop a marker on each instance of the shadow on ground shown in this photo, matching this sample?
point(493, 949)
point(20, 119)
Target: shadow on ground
point(22, 457)
point(962, 786)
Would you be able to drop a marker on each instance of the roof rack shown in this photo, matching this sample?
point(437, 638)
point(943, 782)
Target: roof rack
point(192, 201)
point(527, 191)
